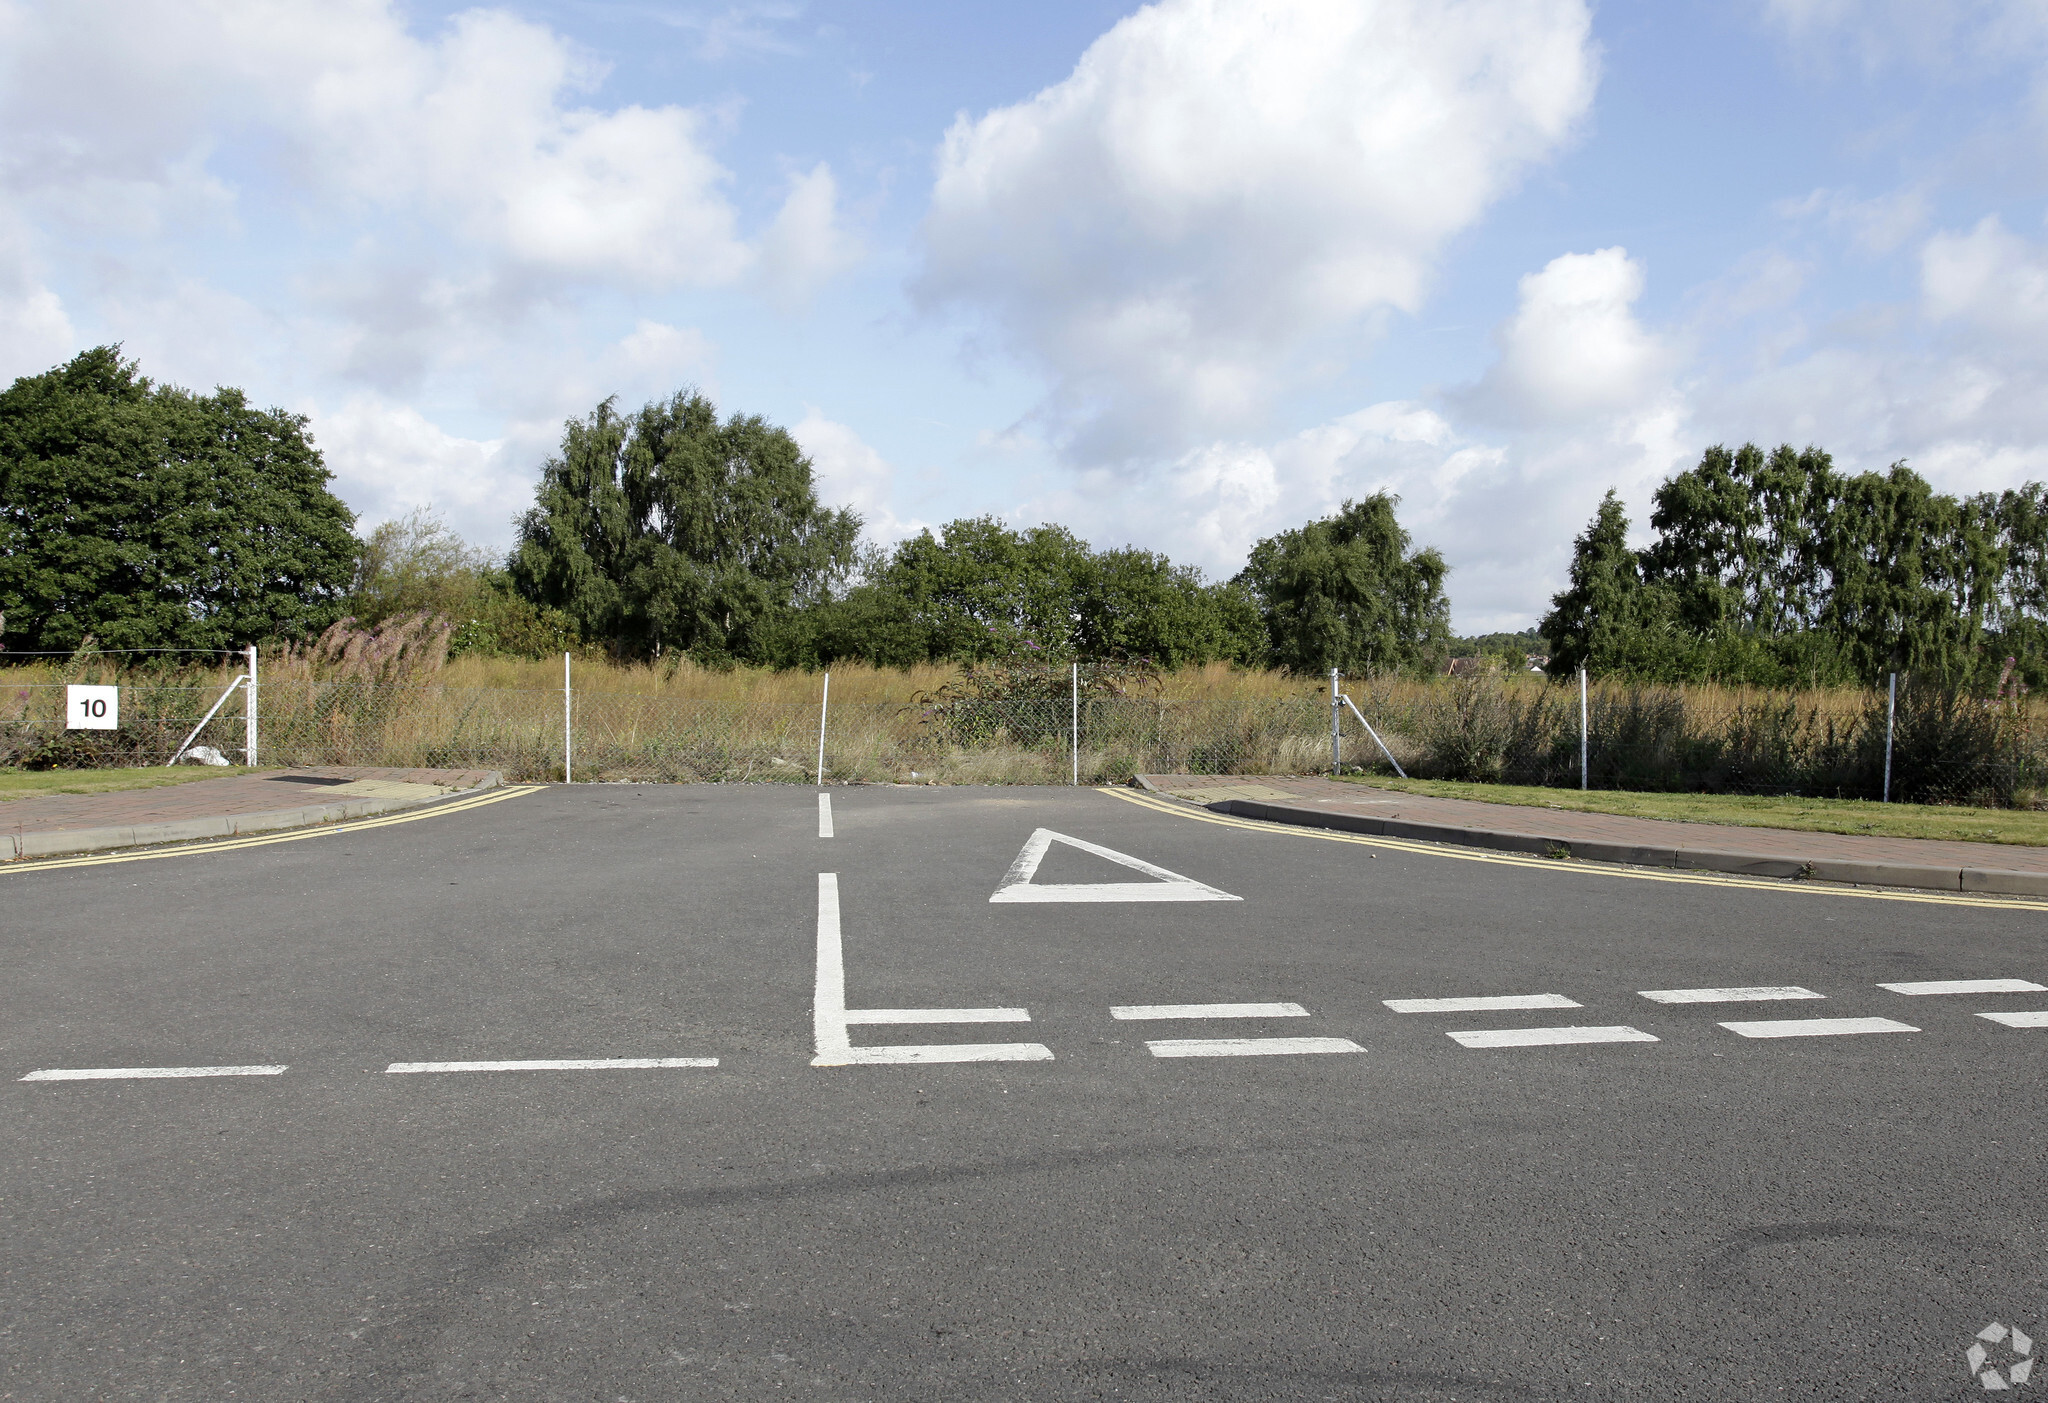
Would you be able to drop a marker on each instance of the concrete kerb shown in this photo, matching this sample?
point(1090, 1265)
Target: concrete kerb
point(67, 842)
point(1991, 880)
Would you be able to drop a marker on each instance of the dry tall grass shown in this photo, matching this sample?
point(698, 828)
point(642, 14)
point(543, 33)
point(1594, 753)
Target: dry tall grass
point(388, 699)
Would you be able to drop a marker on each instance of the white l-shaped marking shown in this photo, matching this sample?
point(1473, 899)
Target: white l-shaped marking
point(830, 1016)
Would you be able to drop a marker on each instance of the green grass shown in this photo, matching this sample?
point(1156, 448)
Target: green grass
point(31, 784)
point(1853, 816)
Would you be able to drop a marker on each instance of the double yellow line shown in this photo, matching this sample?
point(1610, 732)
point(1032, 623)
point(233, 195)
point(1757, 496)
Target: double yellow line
point(203, 849)
point(1577, 869)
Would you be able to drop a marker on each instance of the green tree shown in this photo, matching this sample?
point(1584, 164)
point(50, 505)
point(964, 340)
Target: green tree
point(1346, 592)
point(150, 517)
point(673, 530)
point(1596, 620)
point(415, 564)
point(1135, 603)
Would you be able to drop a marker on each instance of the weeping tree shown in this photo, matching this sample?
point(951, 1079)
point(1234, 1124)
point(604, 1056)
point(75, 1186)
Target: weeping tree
point(673, 530)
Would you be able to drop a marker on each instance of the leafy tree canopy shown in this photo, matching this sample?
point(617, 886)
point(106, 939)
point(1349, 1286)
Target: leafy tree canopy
point(1776, 568)
point(1346, 592)
point(671, 529)
point(151, 517)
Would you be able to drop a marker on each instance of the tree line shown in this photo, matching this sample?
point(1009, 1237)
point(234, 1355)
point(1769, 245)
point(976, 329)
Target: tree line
point(1779, 569)
point(141, 515)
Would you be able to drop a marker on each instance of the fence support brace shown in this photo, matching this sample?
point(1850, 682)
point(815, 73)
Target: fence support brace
point(179, 753)
point(1375, 736)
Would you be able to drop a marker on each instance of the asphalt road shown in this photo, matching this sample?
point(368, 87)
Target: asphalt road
point(1699, 1216)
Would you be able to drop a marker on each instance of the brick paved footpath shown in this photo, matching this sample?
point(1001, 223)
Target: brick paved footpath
point(1337, 796)
point(234, 795)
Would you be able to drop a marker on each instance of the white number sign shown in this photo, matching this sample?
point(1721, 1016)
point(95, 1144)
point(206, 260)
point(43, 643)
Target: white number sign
point(92, 708)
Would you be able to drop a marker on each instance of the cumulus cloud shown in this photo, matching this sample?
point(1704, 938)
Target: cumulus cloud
point(850, 473)
point(389, 459)
point(1573, 348)
point(1990, 280)
point(806, 245)
point(1219, 182)
point(1498, 474)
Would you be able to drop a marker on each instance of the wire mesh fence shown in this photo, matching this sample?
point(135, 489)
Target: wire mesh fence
point(1945, 748)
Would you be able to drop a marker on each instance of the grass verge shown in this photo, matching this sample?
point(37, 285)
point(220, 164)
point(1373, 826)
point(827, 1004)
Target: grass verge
point(1859, 817)
point(32, 784)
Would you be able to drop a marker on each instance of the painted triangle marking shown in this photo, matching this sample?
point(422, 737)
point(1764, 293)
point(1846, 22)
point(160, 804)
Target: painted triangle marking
point(1165, 886)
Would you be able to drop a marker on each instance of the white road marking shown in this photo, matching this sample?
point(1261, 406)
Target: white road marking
point(938, 1015)
point(2018, 1020)
point(1208, 1011)
point(1817, 1027)
point(1169, 886)
point(830, 1017)
point(555, 1064)
point(1549, 1037)
point(824, 815)
point(1248, 1047)
point(1480, 1005)
point(941, 1052)
point(113, 1073)
point(1761, 994)
point(1968, 986)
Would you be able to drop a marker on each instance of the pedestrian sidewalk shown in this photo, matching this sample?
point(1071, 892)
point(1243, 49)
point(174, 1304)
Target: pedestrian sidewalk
point(1318, 802)
point(53, 824)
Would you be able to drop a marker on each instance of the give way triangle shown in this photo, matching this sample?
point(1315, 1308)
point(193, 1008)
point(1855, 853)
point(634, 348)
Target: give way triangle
point(1164, 886)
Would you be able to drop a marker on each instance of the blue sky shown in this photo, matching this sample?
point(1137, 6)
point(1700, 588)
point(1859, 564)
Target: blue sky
point(1179, 276)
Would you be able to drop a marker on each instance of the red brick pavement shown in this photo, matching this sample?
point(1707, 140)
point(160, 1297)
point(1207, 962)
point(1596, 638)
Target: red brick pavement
point(1313, 791)
point(207, 798)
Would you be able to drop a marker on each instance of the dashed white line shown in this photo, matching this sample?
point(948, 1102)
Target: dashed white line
point(1142, 1011)
point(824, 815)
point(1760, 994)
point(1485, 1004)
point(1549, 1037)
point(117, 1073)
point(1968, 986)
point(555, 1064)
point(1817, 1027)
point(941, 1052)
point(938, 1015)
point(1248, 1047)
point(2029, 1019)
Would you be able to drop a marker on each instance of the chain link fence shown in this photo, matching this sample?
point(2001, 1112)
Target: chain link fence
point(1944, 748)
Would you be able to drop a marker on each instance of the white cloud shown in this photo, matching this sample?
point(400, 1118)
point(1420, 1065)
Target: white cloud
point(1949, 34)
point(1499, 476)
point(1992, 281)
point(1221, 181)
point(388, 459)
point(850, 473)
point(1574, 348)
point(805, 246)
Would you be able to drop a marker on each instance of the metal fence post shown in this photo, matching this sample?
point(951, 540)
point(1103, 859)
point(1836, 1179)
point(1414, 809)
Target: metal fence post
point(1077, 723)
point(568, 736)
point(1582, 728)
point(824, 705)
point(1336, 736)
point(1891, 710)
point(249, 701)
